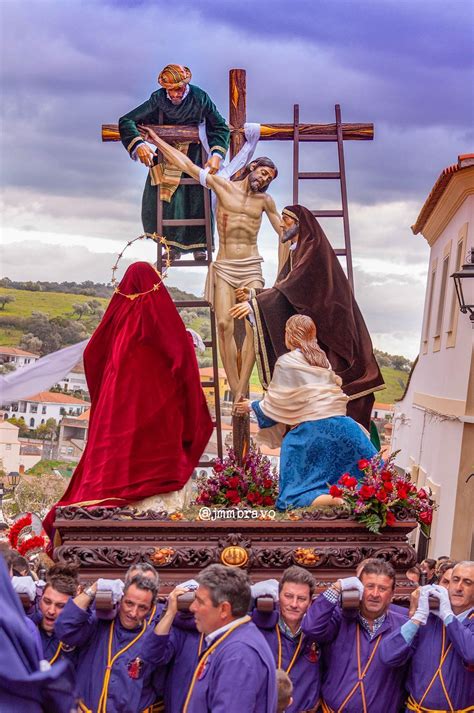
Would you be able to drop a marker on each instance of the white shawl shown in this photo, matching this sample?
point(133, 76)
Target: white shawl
point(299, 392)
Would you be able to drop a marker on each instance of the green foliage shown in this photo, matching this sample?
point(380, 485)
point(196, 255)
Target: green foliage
point(48, 430)
point(84, 288)
point(395, 382)
point(47, 466)
point(5, 300)
point(20, 422)
point(36, 495)
point(372, 522)
point(395, 361)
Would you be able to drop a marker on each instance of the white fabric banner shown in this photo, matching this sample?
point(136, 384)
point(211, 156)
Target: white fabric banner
point(40, 376)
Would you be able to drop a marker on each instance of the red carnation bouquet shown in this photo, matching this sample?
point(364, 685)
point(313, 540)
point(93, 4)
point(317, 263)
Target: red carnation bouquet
point(382, 494)
point(251, 485)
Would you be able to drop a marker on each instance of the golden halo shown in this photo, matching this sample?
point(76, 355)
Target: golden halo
point(157, 239)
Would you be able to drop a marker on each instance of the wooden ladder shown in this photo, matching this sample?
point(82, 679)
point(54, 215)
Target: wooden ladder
point(205, 222)
point(340, 175)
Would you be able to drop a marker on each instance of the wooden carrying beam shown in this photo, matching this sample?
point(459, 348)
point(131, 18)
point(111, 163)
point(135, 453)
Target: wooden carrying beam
point(268, 132)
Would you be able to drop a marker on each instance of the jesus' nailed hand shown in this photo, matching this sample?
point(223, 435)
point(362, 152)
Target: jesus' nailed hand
point(239, 210)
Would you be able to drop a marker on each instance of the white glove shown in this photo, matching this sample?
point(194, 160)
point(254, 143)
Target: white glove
point(269, 587)
point(111, 585)
point(445, 609)
point(351, 583)
point(423, 610)
point(25, 585)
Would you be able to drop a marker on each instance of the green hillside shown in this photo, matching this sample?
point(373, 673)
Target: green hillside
point(60, 304)
point(395, 381)
point(54, 304)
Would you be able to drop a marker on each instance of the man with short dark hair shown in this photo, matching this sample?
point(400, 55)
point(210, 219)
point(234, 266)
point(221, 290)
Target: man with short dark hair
point(444, 567)
point(61, 584)
point(440, 646)
point(27, 684)
point(144, 569)
point(294, 652)
point(428, 570)
point(116, 658)
point(355, 679)
point(235, 671)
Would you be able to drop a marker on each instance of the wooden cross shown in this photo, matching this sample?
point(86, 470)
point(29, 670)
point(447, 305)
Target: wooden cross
point(237, 119)
point(296, 132)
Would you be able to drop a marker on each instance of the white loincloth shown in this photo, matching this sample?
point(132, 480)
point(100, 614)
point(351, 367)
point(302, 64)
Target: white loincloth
point(237, 273)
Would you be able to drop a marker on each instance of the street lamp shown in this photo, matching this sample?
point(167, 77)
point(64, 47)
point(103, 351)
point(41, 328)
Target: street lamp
point(13, 478)
point(464, 288)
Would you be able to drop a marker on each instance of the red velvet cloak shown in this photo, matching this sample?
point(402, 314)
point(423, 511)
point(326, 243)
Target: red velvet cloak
point(149, 421)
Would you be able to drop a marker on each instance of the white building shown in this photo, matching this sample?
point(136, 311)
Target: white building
point(36, 410)
point(382, 411)
point(73, 436)
point(75, 380)
point(17, 357)
point(10, 447)
point(433, 425)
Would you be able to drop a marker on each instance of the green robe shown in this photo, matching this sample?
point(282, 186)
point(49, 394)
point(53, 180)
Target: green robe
point(187, 201)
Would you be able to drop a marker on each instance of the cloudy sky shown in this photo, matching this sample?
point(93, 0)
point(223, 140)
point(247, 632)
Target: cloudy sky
point(70, 202)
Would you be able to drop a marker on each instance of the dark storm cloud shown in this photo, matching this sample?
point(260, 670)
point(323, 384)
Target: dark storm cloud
point(86, 63)
point(68, 67)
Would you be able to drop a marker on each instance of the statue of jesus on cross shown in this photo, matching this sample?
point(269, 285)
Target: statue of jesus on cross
point(239, 210)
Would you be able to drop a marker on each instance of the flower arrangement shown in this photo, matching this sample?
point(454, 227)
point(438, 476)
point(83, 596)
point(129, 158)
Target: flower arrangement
point(253, 484)
point(383, 493)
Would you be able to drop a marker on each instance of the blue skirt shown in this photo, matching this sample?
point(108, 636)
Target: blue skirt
point(317, 453)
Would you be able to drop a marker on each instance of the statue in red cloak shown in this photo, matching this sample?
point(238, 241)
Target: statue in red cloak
point(149, 421)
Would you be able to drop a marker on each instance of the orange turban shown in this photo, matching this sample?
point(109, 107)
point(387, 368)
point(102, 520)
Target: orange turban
point(174, 76)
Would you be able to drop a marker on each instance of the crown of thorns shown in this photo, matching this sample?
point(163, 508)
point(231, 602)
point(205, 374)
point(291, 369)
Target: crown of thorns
point(157, 239)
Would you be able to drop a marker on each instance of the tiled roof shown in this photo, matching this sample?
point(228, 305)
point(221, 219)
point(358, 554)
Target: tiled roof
point(464, 161)
point(14, 351)
point(30, 451)
point(51, 397)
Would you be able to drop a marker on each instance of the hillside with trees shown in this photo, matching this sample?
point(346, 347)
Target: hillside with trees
point(43, 317)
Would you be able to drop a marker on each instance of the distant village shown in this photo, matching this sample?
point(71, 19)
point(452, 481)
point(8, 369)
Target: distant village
point(53, 425)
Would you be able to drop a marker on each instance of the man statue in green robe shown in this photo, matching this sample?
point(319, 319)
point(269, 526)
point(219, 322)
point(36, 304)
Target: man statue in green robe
point(180, 103)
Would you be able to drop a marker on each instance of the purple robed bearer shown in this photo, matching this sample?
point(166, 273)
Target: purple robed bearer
point(116, 659)
point(439, 646)
point(26, 685)
point(179, 652)
point(234, 669)
point(355, 678)
point(238, 676)
point(296, 653)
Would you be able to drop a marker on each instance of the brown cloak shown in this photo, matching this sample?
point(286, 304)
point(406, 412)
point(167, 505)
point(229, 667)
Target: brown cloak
point(317, 286)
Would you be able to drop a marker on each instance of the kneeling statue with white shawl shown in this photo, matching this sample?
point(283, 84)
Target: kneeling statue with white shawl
point(304, 412)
